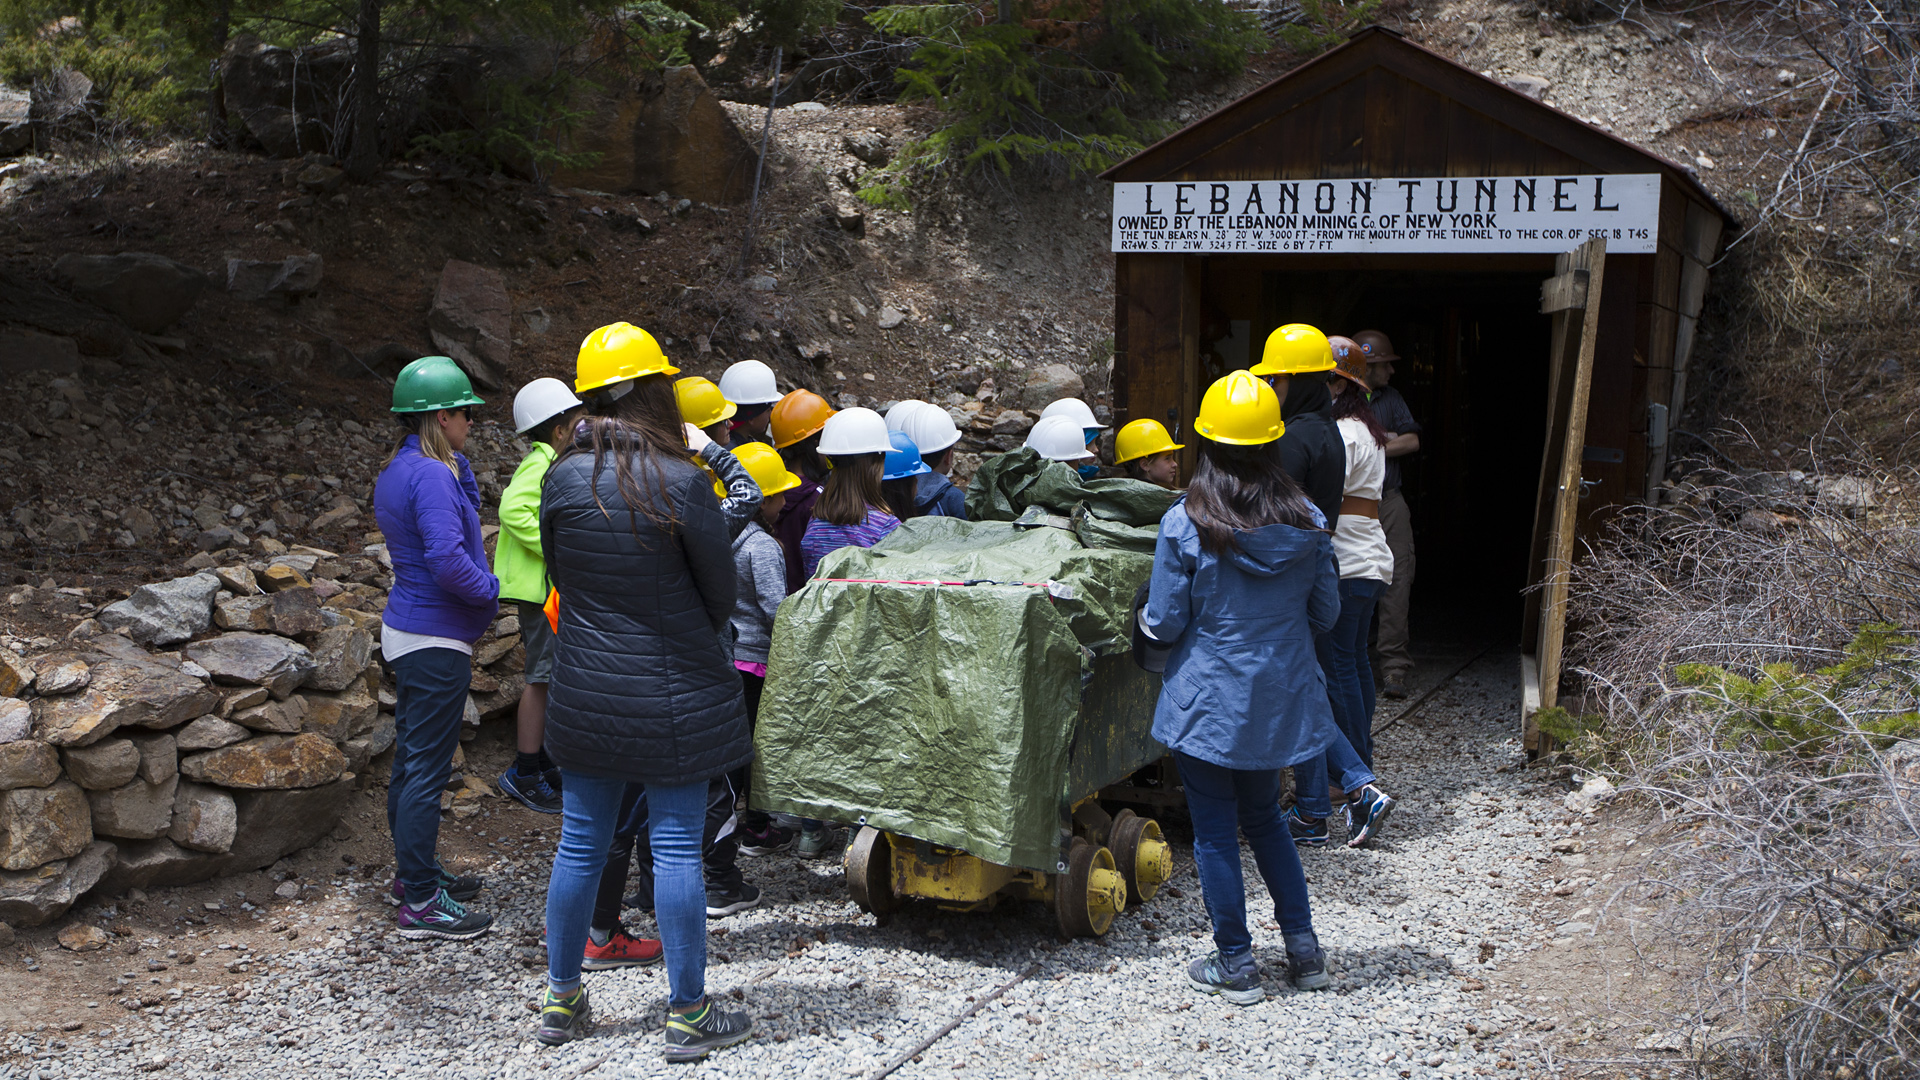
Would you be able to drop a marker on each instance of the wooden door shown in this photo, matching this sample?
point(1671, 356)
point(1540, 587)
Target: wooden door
point(1572, 297)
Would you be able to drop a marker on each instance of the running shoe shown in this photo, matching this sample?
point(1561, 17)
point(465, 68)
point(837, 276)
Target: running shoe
point(770, 841)
point(563, 1019)
point(1307, 832)
point(1238, 983)
point(692, 1036)
point(1366, 812)
point(622, 950)
point(814, 843)
point(721, 903)
point(462, 888)
point(533, 791)
point(1307, 964)
point(444, 918)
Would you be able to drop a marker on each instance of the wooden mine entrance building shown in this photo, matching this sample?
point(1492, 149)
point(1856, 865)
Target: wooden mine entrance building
point(1541, 279)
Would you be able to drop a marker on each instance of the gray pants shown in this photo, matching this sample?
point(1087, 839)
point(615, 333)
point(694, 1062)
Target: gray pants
point(1392, 642)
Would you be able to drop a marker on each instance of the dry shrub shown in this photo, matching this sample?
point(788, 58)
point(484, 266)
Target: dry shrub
point(1760, 699)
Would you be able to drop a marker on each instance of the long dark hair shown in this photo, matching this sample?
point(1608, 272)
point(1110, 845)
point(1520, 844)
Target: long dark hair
point(640, 429)
point(1352, 402)
point(903, 496)
point(1305, 394)
point(852, 487)
point(1240, 488)
point(803, 457)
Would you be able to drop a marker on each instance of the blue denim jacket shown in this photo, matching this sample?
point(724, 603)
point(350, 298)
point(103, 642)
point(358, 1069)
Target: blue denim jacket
point(1243, 687)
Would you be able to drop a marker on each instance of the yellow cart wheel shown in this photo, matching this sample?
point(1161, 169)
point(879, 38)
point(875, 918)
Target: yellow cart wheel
point(1088, 896)
point(870, 871)
point(1141, 854)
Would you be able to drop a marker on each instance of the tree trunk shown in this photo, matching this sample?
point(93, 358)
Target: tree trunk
point(364, 159)
point(216, 100)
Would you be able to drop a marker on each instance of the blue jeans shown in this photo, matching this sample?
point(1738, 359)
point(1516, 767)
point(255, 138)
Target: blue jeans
point(1343, 657)
point(430, 688)
point(591, 809)
point(1224, 803)
point(1310, 777)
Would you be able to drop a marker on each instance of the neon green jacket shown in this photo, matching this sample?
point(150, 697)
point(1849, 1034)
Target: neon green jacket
point(517, 559)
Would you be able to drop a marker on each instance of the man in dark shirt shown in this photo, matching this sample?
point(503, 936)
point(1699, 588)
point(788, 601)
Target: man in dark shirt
point(1403, 438)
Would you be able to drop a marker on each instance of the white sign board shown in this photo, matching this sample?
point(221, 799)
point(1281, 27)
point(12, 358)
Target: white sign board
point(1546, 214)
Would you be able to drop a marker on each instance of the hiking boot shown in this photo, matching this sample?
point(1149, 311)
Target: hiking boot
point(1366, 812)
point(1393, 684)
point(563, 1019)
point(692, 1036)
point(723, 902)
point(622, 950)
point(444, 918)
point(532, 790)
point(1307, 831)
point(769, 841)
point(814, 843)
point(1238, 983)
point(1307, 963)
point(461, 887)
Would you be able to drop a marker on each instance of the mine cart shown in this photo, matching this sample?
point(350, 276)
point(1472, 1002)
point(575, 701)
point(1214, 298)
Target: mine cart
point(963, 692)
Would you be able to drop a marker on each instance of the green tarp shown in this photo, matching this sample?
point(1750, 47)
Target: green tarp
point(948, 712)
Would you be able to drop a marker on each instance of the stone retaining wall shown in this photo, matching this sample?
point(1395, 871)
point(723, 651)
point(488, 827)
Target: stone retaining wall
point(207, 725)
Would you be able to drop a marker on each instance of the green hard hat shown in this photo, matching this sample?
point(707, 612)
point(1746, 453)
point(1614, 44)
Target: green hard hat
point(432, 383)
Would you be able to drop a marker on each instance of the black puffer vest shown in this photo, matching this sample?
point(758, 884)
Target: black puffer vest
point(642, 690)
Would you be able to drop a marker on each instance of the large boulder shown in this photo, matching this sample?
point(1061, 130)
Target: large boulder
point(42, 894)
point(340, 655)
point(204, 818)
point(16, 122)
point(209, 733)
point(276, 717)
point(122, 692)
point(665, 133)
point(338, 717)
point(105, 764)
point(149, 292)
point(268, 826)
point(270, 761)
point(22, 351)
point(472, 320)
point(137, 810)
point(1049, 383)
point(290, 278)
point(39, 825)
point(28, 764)
point(16, 720)
point(285, 98)
point(166, 612)
point(240, 659)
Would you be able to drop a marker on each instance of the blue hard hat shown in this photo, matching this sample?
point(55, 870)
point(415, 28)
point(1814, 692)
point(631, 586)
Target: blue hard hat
point(904, 459)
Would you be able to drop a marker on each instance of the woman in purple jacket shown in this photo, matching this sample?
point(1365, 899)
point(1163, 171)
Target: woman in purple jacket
point(443, 598)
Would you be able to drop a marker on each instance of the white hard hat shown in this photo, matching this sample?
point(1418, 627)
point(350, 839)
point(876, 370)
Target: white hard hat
point(1060, 438)
point(897, 416)
point(931, 429)
point(855, 431)
point(1074, 409)
point(539, 400)
point(749, 382)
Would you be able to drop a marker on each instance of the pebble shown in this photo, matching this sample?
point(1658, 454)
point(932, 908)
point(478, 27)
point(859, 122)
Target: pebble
point(1418, 931)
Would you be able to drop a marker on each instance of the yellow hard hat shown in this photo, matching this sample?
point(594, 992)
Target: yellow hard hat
point(1295, 349)
point(617, 353)
point(1142, 438)
point(763, 463)
point(700, 402)
point(1240, 410)
point(719, 489)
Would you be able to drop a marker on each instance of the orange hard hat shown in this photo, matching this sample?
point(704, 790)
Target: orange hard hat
point(799, 415)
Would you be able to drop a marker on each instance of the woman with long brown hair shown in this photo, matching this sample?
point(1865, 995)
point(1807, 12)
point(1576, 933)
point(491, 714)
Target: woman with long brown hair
point(1243, 578)
point(642, 689)
point(852, 511)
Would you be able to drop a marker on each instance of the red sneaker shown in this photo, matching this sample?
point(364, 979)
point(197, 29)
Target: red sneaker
point(621, 950)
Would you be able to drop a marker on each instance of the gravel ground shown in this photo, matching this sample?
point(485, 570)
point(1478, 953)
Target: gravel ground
point(1422, 933)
